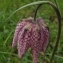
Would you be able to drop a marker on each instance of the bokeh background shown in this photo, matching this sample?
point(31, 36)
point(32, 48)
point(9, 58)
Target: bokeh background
point(7, 27)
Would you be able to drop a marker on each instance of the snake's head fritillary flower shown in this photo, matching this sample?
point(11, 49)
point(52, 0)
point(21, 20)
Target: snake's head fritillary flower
point(30, 34)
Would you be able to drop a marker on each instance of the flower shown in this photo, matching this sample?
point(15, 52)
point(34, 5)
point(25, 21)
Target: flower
point(30, 34)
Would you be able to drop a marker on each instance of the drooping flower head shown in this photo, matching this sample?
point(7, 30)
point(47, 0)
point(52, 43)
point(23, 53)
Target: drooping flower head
point(30, 34)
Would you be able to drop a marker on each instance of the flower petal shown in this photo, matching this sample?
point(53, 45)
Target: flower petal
point(23, 41)
point(46, 40)
point(35, 56)
point(44, 33)
point(19, 27)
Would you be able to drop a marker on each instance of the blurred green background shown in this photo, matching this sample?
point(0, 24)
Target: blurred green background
point(7, 27)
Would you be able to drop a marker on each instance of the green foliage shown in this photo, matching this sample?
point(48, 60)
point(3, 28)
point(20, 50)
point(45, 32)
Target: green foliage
point(7, 27)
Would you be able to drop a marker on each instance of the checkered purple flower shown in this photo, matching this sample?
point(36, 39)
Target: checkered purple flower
point(30, 34)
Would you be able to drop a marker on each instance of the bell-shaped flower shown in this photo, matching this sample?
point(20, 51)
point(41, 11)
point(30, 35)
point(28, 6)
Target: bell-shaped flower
point(30, 34)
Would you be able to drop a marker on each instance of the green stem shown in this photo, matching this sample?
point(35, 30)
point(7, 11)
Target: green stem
point(27, 5)
point(56, 3)
point(59, 26)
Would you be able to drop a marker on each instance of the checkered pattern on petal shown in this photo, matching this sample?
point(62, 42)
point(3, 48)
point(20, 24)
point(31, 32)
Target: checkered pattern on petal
point(44, 33)
point(19, 27)
point(23, 42)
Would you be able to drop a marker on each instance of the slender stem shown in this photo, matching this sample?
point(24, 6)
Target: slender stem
point(59, 26)
point(36, 12)
point(56, 3)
